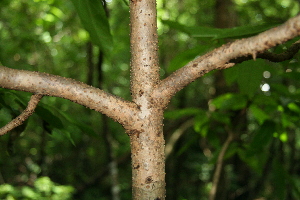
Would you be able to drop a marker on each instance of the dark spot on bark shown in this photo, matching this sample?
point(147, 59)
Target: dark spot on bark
point(157, 198)
point(148, 180)
point(136, 167)
point(141, 92)
point(134, 132)
point(195, 65)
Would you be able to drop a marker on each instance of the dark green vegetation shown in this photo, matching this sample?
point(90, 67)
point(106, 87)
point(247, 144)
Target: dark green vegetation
point(256, 103)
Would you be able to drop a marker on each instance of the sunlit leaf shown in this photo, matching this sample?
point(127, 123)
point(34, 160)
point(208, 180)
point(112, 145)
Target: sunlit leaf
point(201, 123)
point(230, 101)
point(294, 107)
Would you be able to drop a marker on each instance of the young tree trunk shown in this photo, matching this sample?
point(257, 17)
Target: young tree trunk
point(142, 118)
point(147, 144)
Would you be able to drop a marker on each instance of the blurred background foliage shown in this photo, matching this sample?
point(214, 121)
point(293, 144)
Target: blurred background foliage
point(256, 102)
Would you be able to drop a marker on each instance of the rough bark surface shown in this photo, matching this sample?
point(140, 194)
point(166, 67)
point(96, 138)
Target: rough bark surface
point(147, 142)
point(143, 117)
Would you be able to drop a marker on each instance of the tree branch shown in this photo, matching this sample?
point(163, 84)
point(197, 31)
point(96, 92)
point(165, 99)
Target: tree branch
point(273, 57)
point(221, 57)
point(33, 102)
point(118, 109)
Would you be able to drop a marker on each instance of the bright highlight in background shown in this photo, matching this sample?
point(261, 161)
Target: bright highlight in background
point(265, 87)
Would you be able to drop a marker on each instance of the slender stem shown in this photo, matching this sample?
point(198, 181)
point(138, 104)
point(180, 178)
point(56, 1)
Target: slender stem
point(33, 102)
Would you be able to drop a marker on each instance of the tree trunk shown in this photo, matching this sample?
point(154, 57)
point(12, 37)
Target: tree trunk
point(143, 117)
point(147, 144)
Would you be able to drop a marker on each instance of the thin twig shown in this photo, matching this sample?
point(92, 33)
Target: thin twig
point(219, 165)
point(34, 100)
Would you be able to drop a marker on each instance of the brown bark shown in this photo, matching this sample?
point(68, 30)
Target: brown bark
point(34, 100)
point(143, 117)
point(221, 58)
point(147, 142)
point(51, 85)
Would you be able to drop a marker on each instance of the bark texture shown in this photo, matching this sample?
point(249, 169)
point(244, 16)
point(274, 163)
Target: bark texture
point(143, 117)
point(147, 141)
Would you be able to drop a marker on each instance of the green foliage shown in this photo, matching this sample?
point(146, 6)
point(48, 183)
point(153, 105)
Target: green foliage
point(43, 189)
point(183, 58)
point(217, 33)
point(248, 76)
point(230, 102)
point(93, 18)
point(47, 36)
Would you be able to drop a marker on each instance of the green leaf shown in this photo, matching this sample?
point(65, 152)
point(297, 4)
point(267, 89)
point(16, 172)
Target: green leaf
point(201, 123)
point(94, 20)
point(260, 115)
point(244, 31)
point(248, 76)
point(216, 33)
point(230, 101)
point(183, 58)
point(294, 107)
point(68, 122)
point(45, 113)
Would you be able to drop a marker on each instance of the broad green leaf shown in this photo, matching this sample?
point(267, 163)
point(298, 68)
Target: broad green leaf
point(231, 75)
point(230, 101)
point(260, 115)
point(294, 107)
point(68, 121)
point(45, 113)
point(216, 33)
point(94, 20)
point(244, 31)
point(248, 76)
point(201, 123)
point(264, 100)
point(183, 58)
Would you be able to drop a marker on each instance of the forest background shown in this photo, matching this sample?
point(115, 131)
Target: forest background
point(257, 103)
